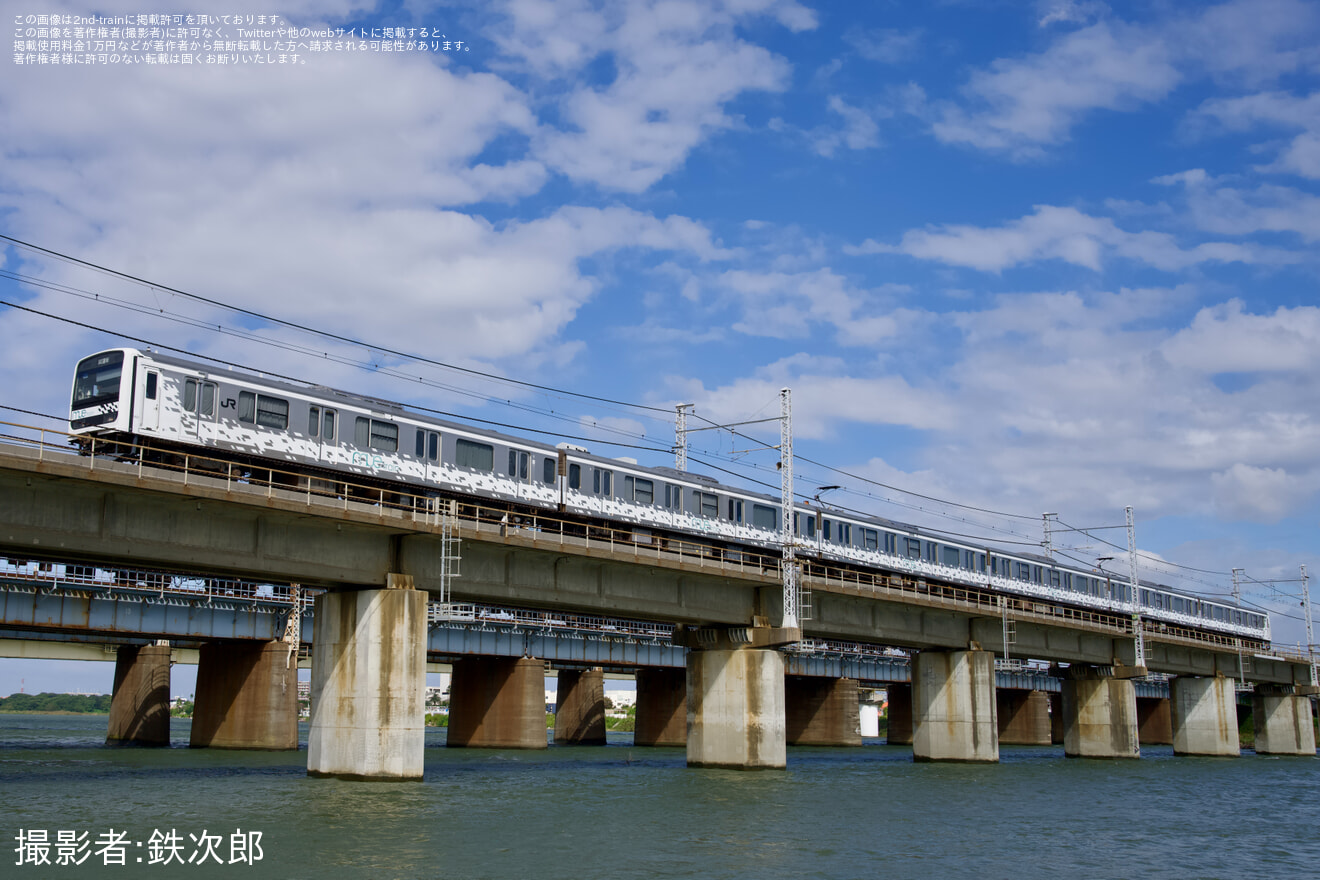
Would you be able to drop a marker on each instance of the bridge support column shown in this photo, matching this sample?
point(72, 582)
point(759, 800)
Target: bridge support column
point(1056, 719)
point(140, 705)
point(735, 696)
point(1154, 723)
point(821, 711)
point(247, 697)
point(661, 708)
point(1283, 721)
point(1099, 715)
point(953, 707)
point(1204, 715)
point(580, 707)
point(369, 683)
point(497, 703)
point(1024, 717)
point(900, 715)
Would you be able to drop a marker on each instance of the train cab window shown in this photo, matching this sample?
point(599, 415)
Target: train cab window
point(547, 470)
point(951, 555)
point(152, 379)
point(870, 539)
point(375, 434)
point(263, 410)
point(575, 476)
point(912, 548)
point(766, 517)
point(478, 456)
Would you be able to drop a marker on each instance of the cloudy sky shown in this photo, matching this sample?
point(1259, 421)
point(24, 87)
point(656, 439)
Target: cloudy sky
point(1054, 256)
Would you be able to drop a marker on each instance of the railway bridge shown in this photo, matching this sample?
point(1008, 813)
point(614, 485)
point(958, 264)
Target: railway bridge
point(377, 557)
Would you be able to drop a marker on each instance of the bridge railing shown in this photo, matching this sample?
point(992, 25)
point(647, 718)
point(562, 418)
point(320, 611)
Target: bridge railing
point(122, 580)
point(426, 509)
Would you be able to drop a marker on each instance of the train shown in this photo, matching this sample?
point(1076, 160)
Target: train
point(138, 397)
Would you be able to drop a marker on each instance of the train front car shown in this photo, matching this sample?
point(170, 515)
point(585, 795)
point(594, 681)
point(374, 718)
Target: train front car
point(101, 402)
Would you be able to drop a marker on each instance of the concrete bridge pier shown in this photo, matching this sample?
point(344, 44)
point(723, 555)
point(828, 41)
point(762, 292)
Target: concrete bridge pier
point(1204, 715)
point(1154, 723)
point(1099, 715)
point(369, 683)
point(1283, 721)
point(661, 708)
point(953, 707)
point(580, 707)
point(498, 703)
point(900, 715)
point(140, 704)
point(821, 711)
point(1024, 717)
point(735, 696)
point(247, 696)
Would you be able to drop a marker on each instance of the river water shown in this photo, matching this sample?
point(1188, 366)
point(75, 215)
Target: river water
point(620, 812)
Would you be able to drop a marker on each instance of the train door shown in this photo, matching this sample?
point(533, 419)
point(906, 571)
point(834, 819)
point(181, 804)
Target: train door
point(322, 428)
point(197, 420)
point(151, 400)
point(519, 470)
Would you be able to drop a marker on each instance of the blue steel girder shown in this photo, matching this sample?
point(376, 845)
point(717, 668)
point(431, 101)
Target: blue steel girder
point(24, 606)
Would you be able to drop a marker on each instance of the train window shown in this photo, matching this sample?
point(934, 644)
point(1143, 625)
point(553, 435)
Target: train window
point(517, 464)
point(845, 534)
point(827, 529)
point(547, 470)
point(381, 436)
point(327, 425)
point(644, 492)
point(932, 551)
point(189, 395)
point(735, 510)
point(419, 448)
point(912, 548)
point(207, 407)
point(709, 504)
point(808, 530)
point(673, 497)
point(1054, 578)
point(870, 539)
point(575, 476)
point(766, 517)
point(602, 482)
point(314, 421)
point(98, 379)
point(478, 456)
point(152, 379)
point(1023, 571)
point(891, 543)
point(951, 555)
point(262, 410)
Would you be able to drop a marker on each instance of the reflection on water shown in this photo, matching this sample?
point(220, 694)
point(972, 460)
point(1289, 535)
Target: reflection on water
point(620, 811)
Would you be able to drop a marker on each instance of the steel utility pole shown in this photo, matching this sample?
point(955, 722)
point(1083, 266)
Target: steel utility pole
point(1049, 537)
point(792, 591)
point(680, 436)
point(1237, 600)
point(1310, 637)
point(1132, 579)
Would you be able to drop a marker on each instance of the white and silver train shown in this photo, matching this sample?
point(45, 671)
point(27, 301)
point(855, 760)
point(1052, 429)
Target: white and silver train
point(132, 395)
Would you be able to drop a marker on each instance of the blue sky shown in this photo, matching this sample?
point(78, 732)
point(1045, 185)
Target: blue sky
point(1023, 256)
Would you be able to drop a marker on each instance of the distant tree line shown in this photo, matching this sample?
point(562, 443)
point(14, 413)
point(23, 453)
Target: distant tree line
point(97, 703)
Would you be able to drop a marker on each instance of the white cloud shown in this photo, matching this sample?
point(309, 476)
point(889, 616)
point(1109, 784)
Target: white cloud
point(1301, 156)
point(1021, 105)
point(885, 45)
point(1058, 233)
point(1259, 494)
point(675, 65)
point(1216, 207)
point(858, 130)
point(1226, 339)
